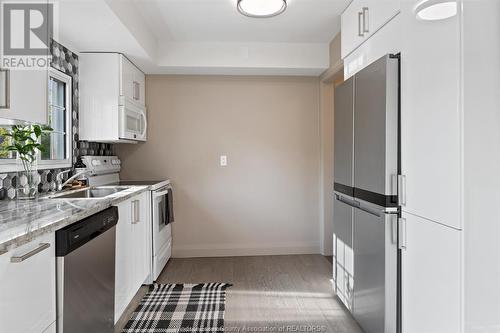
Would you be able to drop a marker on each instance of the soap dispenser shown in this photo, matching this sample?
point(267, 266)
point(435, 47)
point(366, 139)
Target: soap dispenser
point(79, 167)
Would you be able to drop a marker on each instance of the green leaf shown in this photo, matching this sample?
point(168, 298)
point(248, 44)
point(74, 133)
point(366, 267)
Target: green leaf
point(37, 130)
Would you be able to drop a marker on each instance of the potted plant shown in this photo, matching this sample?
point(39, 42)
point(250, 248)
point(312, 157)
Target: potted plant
point(25, 142)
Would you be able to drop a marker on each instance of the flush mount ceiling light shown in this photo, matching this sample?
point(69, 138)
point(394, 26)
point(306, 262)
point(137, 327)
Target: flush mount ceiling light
point(434, 10)
point(261, 8)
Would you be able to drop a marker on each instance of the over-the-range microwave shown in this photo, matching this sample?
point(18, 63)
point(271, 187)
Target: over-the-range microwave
point(133, 122)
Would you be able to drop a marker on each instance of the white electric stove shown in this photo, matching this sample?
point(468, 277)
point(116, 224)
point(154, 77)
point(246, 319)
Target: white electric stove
point(105, 171)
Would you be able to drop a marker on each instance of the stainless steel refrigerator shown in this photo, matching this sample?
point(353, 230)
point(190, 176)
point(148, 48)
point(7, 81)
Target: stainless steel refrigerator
point(366, 207)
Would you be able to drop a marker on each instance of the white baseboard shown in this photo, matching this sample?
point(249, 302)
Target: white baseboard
point(239, 250)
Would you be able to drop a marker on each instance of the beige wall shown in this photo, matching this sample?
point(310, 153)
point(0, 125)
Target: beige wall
point(335, 50)
point(266, 201)
point(332, 77)
point(327, 127)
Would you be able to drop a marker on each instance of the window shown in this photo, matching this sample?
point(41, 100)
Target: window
point(58, 144)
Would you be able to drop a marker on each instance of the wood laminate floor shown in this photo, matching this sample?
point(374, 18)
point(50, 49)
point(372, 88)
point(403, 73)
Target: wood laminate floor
point(268, 293)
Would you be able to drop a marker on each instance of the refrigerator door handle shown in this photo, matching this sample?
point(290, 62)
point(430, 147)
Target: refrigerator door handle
point(402, 233)
point(394, 228)
point(352, 203)
point(402, 190)
point(376, 213)
point(358, 205)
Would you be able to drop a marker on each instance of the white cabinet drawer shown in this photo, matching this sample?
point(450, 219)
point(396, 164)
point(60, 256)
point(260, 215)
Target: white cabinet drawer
point(28, 288)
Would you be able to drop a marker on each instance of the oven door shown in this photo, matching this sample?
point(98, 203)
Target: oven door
point(133, 123)
point(162, 231)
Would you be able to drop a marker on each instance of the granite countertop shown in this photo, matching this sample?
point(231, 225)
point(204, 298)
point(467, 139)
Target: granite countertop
point(22, 221)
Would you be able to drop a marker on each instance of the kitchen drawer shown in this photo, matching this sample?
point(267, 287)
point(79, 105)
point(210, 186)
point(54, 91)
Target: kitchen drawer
point(28, 288)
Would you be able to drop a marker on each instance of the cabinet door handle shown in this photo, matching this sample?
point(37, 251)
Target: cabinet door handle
point(137, 91)
point(30, 254)
point(402, 190)
point(366, 19)
point(360, 32)
point(402, 240)
point(135, 211)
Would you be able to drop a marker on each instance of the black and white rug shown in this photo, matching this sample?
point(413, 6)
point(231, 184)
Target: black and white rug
point(173, 308)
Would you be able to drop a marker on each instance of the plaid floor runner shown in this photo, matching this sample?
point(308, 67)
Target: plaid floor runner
point(173, 308)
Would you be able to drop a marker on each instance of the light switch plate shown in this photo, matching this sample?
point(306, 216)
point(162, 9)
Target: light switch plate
point(223, 160)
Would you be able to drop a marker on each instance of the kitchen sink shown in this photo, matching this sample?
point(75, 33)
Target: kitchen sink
point(90, 193)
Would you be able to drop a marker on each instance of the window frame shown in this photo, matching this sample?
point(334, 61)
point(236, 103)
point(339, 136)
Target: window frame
point(10, 165)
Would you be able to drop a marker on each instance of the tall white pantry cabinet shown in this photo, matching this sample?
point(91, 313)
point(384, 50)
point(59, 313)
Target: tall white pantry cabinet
point(450, 157)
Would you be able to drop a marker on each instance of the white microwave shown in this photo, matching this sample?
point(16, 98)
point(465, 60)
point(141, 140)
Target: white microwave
point(133, 122)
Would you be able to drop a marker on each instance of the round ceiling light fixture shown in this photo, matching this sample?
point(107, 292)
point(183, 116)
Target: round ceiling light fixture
point(434, 10)
point(261, 8)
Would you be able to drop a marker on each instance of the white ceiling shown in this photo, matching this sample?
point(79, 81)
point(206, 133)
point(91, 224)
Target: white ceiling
point(304, 21)
point(204, 36)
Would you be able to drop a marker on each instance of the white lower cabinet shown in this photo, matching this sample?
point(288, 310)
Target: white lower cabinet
point(133, 250)
point(142, 236)
point(28, 287)
point(431, 277)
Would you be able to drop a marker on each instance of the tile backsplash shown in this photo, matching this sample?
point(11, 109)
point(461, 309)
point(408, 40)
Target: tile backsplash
point(65, 61)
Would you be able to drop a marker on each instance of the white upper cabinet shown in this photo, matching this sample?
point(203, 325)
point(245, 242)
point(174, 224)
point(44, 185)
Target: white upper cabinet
point(431, 149)
point(352, 34)
point(362, 19)
point(133, 82)
point(28, 288)
point(431, 115)
point(24, 95)
point(112, 99)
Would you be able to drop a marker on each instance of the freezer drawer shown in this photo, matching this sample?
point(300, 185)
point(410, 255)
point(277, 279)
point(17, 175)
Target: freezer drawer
point(342, 219)
point(344, 144)
point(375, 268)
point(376, 132)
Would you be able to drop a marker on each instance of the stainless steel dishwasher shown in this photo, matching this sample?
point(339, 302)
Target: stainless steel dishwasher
point(85, 254)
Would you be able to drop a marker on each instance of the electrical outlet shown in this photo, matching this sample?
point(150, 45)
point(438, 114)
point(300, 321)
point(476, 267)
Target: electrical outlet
point(223, 160)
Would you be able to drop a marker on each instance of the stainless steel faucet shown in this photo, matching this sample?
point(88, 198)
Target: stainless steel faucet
point(59, 182)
